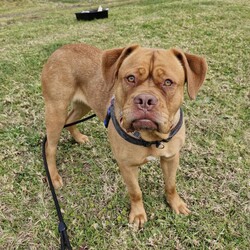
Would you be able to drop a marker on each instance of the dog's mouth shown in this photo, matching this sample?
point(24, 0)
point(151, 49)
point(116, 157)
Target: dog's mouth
point(138, 120)
point(143, 124)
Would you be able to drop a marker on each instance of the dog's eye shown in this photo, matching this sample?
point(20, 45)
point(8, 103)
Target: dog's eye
point(168, 82)
point(131, 78)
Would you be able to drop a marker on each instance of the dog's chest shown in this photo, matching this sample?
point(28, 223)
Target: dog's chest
point(151, 158)
point(154, 153)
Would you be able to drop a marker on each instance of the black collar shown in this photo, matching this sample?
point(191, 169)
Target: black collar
point(137, 140)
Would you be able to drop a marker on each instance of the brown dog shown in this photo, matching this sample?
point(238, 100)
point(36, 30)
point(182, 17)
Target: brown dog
point(148, 89)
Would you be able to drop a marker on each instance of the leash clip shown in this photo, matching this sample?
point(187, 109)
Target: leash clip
point(159, 145)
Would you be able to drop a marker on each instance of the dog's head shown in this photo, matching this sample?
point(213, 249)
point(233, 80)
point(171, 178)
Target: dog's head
point(149, 85)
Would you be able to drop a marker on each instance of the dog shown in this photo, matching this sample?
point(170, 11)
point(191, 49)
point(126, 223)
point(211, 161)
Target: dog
point(146, 87)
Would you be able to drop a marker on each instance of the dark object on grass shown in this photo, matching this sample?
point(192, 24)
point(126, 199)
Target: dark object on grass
point(92, 14)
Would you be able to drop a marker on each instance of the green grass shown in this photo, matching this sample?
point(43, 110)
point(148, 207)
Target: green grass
point(214, 173)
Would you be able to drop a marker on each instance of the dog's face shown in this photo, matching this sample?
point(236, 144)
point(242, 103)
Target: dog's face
point(149, 90)
point(149, 85)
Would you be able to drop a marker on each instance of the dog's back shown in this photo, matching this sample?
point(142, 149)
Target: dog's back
point(71, 72)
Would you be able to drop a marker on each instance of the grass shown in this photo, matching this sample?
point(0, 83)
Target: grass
point(214, 173)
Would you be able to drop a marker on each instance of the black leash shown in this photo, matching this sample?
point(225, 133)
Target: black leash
point(62, 228)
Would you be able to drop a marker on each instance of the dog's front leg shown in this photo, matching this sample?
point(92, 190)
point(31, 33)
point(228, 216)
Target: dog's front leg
point(169, 167)
point(137, 214)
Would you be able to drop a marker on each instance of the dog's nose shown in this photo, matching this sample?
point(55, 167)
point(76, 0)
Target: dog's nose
point(145, 101)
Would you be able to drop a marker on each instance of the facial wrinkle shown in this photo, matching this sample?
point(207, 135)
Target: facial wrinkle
point(151, 66)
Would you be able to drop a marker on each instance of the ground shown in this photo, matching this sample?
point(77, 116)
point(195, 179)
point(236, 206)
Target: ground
point(213, 178)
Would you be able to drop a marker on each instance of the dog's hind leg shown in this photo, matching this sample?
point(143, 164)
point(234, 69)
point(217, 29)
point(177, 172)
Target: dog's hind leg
point(55, 117)
point(78, 111)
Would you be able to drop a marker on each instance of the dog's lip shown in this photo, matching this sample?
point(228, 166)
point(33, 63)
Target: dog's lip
point(144, 124)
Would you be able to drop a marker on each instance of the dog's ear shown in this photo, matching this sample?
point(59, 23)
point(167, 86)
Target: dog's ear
point(112, 60)
point(195, 71)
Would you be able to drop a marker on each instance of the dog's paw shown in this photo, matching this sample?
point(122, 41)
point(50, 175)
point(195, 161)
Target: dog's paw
point(138, 219)
point(179, 206)
point(57, 182)
point(80, 138)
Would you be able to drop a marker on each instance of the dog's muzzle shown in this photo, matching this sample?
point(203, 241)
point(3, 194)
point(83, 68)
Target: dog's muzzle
point(142, 115)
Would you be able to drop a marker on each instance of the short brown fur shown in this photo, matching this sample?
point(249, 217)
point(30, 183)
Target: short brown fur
point(148, 86)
